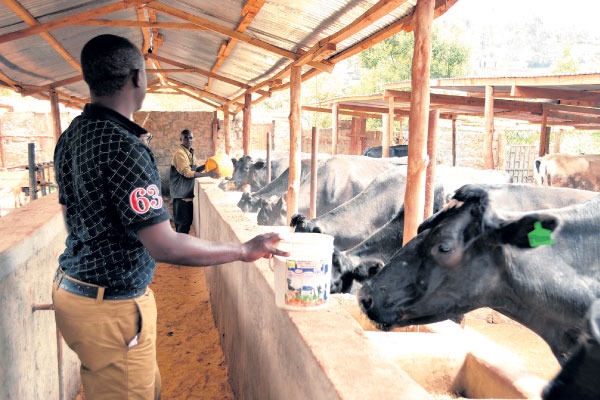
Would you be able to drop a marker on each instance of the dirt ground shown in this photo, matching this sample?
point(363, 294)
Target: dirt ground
point(190, 359)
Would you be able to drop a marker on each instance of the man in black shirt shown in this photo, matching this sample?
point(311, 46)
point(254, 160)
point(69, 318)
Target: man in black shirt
point(118, 228)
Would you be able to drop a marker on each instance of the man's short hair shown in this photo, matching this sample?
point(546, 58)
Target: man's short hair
point(185, 132)
point(107, 61)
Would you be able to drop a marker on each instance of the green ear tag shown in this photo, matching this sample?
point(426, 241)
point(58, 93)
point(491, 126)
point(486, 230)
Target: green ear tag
point(540, 236)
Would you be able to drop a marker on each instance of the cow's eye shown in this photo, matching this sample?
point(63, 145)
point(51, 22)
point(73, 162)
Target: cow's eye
point(444, 247)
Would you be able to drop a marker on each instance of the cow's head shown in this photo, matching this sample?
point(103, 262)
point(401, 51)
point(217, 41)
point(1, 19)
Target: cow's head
point(243, 172)
point(301, 224)
point(272, 212)
point(452, 264)
point(249, 203)
point(344, 272)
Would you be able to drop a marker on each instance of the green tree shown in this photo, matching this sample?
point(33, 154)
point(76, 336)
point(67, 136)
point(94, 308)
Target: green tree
point(391, 61)
point(566, 64)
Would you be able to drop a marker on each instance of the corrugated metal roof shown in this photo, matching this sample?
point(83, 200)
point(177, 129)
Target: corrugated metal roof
point(224, 48)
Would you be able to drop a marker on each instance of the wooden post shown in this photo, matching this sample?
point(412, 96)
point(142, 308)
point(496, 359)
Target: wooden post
point(334, 127)
point(434, 116)
point(215, 132)
point(55, 109)
point(454, 141)
point(401, 135)
point(488, 138)
point(557, 139)
point(268, 157)
point(414, 198)
point(227, 130)
point(32, 171)
point(354, 136)
point(544, 134)
point(295, 142)
point(388, 128)
point(385, 131)
point(314, 158)
point(247, 123)
point(273, 134)
point(501, 150)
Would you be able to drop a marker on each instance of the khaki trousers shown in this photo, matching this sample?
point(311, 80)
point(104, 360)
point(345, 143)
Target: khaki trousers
point(115, 341)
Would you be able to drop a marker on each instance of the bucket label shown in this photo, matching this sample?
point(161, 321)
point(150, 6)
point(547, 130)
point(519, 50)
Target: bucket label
point(307, 283)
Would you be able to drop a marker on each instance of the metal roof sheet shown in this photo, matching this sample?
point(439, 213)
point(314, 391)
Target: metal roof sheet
point(216, 51)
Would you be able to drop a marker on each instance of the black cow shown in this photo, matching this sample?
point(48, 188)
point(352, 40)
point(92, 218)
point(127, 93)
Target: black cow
point(251, 202)
point(578, 378)
point(382, 200)
point(399, 150)
point(368, 257)
point(366, 212)
point(339, 179)
point(472, 255)
point(247, 171)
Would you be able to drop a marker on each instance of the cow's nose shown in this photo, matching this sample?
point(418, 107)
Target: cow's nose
point(366, 302)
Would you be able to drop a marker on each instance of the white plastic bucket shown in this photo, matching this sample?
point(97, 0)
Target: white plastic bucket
point(303, 279)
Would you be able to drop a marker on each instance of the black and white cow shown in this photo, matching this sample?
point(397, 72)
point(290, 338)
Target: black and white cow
point(251, 202)
point(365, 213)
point(382, 200)
point(578, 378)
point(253, 173)
point(399, 150)
point(368, 257)
point(339, 179)
point(472, 254)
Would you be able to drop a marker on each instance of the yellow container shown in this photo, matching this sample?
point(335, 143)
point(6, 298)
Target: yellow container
point(221, 163)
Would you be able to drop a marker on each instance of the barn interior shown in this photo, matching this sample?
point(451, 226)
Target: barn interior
point(251, 49)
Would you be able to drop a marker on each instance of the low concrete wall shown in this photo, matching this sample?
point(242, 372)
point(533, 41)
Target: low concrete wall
point(278, 354)
point(31, 239)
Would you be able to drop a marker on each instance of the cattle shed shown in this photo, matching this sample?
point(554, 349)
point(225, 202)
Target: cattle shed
point(228, 55)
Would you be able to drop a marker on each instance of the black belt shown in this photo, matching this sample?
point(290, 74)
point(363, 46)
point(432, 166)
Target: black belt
point(74, 286)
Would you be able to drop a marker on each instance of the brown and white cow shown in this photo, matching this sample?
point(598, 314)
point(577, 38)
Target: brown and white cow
point(565, 170)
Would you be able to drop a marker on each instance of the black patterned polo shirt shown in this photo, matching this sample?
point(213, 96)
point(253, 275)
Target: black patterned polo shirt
point(108, 181)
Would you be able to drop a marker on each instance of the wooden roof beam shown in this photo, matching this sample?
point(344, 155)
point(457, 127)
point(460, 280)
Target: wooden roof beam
point(572, 109)
point(30, 20)
point(558, 94)
point(149, 46)
point(574, 118)
point(444, 99)
point(200, 99)
point(200, 91)
point(66, 21)
point(249, 11)
point(403, 24)
point(378, 11)
point(198, 70)
point(31, 90)
point(229, 32)
point(140, 24)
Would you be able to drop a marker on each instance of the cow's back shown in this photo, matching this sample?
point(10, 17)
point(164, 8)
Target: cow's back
point(565, 170)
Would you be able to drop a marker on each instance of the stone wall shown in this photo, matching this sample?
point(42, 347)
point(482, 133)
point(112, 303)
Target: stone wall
point(18, 129)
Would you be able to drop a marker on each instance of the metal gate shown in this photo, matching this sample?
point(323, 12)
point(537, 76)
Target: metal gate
point(519, 163)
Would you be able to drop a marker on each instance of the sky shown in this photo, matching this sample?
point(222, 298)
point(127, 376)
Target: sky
point(559, 12)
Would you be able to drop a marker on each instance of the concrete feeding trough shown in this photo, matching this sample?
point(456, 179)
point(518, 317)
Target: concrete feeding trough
point(333, 353)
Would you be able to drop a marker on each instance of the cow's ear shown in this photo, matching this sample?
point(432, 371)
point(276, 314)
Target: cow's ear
point(528, 231)
point(260, 164)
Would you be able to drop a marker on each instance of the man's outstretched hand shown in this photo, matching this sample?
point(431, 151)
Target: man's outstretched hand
point(263, 246)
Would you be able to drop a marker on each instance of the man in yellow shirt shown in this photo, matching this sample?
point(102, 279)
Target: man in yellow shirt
point(181, 182)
